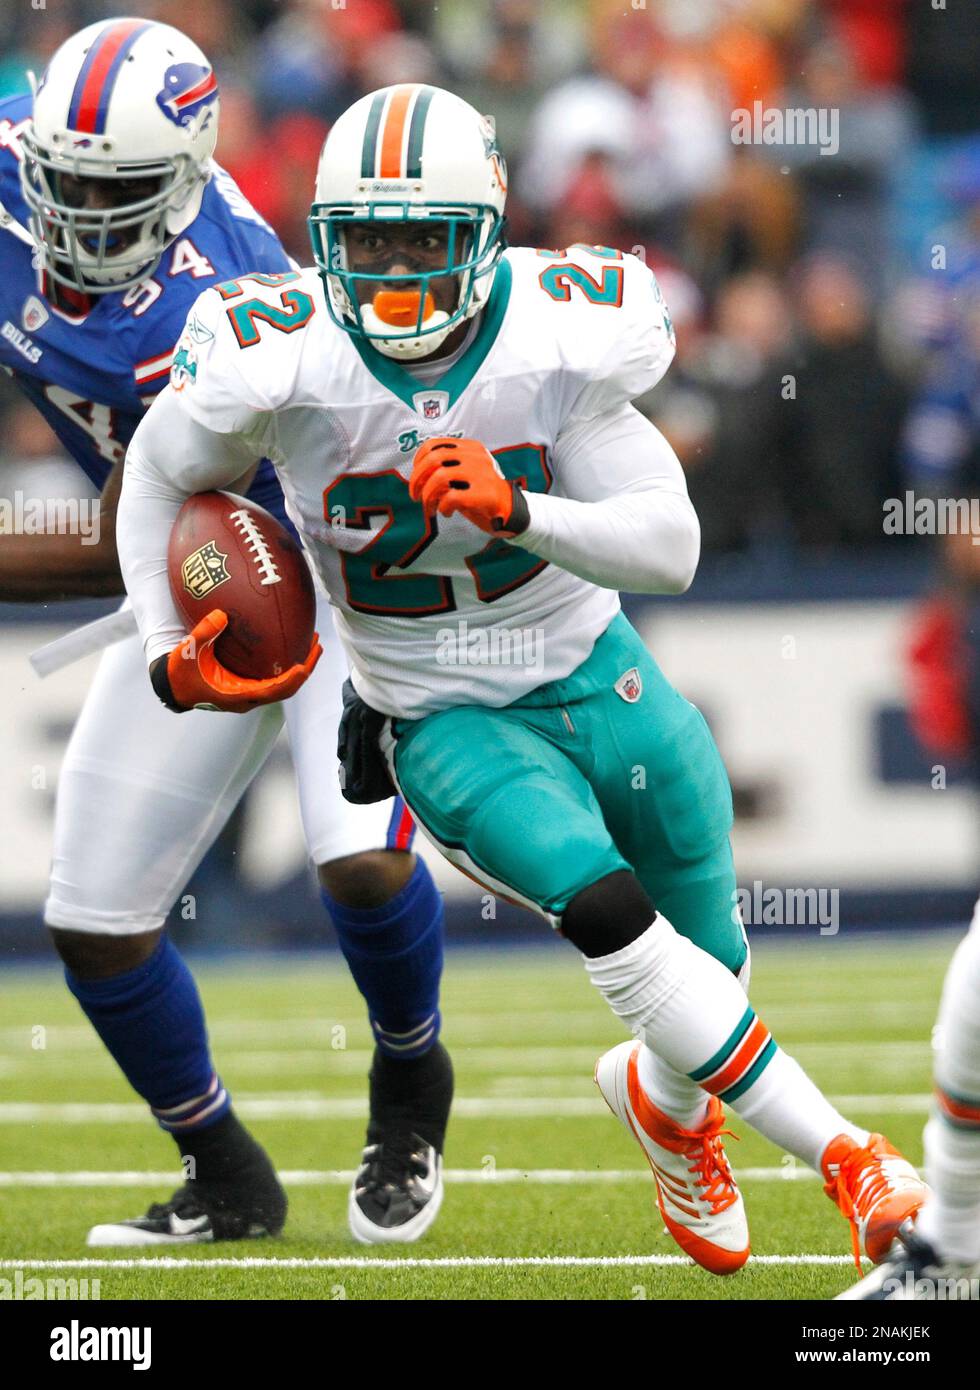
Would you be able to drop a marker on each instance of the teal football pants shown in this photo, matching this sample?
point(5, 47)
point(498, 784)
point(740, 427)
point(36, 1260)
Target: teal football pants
point(574, 781)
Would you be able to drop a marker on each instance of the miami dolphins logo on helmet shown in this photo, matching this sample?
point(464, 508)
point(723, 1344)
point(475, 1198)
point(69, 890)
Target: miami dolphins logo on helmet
point(188, 92)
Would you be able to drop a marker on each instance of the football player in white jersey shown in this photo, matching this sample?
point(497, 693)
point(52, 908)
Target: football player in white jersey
point(115, 218)
point(452, 426)
point(939, 1258)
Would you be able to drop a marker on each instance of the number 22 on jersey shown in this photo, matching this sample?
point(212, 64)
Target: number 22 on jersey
point(559, 280)
point(498, 568)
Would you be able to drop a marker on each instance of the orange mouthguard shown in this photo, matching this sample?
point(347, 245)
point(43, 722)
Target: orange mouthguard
point(401, 307)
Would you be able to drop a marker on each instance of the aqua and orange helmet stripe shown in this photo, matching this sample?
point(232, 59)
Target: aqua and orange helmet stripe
point(392, 147)
point(89, 106)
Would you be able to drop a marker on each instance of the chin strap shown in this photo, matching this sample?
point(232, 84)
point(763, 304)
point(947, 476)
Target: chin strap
point(9, 223)
point(419, 346)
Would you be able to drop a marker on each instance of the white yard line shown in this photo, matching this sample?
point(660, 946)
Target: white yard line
point(520, 1062)
point(467, 1022)
point(342, 1177)
point(442, 1262)
point(355, 1107)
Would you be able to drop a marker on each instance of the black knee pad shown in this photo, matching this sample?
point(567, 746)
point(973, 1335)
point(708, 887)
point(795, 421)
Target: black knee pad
point(608, 915)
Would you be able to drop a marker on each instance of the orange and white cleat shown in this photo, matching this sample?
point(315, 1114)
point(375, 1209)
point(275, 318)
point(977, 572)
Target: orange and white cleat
point(696, 1192)
point(875, 1188)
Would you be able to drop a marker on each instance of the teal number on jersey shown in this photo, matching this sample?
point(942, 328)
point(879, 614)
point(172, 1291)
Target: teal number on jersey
point(558, 281)
point(296, 311)
point(353, 499)
point(230, 289)
point(498, 567)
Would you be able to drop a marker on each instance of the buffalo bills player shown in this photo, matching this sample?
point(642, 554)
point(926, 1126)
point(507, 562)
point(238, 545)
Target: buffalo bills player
point(113, 218)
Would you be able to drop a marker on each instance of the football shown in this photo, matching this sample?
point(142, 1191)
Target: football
point(226, 552)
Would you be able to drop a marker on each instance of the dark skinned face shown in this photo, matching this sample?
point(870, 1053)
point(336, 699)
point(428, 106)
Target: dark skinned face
point(101, 195)
point(402, 249)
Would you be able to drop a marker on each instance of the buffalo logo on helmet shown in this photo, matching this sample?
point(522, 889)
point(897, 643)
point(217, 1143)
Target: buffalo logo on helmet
point(189, 91)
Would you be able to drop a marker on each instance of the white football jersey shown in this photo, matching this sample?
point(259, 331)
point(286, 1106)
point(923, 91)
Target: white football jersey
point(432, 613)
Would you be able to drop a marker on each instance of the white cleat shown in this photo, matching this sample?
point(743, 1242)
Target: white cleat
point(913, 1271)
point(397, 1192)
point(697, 1194)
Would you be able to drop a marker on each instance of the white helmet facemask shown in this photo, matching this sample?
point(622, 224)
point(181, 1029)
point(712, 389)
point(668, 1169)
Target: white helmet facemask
point(117, 153)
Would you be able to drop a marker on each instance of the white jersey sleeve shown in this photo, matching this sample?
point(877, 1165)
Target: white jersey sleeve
point(207, 427)
point(628, 354)
point(625, 520)
point(602, 315)
point(239, 356)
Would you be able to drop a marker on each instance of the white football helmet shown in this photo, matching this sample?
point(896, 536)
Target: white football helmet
point(406, 154)
point(118, 151)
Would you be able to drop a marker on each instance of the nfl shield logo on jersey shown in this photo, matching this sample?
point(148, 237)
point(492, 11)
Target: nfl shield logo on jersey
point(34, 314)
point(431, 405)
point(629, 686)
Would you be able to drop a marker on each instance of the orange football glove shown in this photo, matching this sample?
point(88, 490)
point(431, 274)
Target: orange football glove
point(460, 475)
point(193, 677)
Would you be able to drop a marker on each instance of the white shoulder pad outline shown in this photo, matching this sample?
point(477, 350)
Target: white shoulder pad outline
point(611, 326)
point(239, 352)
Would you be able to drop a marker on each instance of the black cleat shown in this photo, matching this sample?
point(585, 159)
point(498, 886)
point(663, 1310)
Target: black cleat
point(913, 1270)
point(398, 1189)
point(235, 1196)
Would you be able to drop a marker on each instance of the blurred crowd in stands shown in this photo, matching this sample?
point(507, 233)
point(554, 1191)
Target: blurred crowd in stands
point(826, 300)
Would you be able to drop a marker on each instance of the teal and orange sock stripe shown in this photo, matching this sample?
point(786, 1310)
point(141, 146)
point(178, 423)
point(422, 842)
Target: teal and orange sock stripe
point(740, 1060)
point(958, 1111)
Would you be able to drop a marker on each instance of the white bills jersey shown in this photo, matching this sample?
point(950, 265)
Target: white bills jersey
point(432, 612)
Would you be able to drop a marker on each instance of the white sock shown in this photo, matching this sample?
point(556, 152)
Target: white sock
point(788, 1108)
point(692, 1013)
point(951, 1221)
point(671, 1091)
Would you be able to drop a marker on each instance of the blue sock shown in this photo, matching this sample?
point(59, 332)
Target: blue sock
point(152, 1022)
point(395, 956)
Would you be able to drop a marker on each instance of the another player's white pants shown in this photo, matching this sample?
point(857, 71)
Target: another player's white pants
point(143, 792)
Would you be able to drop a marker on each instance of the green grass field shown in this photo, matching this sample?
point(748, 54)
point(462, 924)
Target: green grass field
point(547, 1196)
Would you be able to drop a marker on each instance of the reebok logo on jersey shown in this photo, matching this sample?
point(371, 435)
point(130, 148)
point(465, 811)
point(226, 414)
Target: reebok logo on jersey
point(21, 342)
